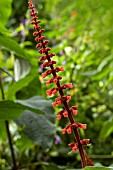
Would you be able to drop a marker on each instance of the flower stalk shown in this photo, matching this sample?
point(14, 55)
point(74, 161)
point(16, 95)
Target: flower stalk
point(67, 112)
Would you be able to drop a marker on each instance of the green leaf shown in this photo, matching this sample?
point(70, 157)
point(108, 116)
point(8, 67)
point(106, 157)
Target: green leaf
point(5, 11)
point(107, 129)
point(21, 68)
point(7, 72)
point(21, 141)
point(37, 128)
point(10, 110)
point(38, 102)
point(98, 168)
point(101, 75)
point(12, 45)
point(104, 63)
point(16, 86)
point(4, 30)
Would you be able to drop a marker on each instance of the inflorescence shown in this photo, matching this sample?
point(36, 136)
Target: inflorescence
point(67, 112)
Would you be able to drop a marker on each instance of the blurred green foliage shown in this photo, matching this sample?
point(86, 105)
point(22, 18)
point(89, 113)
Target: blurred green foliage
point(80, 32)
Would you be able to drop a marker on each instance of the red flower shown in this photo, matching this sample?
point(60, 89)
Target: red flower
point(63, 131)
point(79, 125)
point(54, 104)
point(83, 126)
point(65, 114)
point(69, 130)
point(74, 149)
point(55, 80)
point(85, 141)
point(58, 116)
point(49, 92)
point(47, 83)
point(44, 75)
point(68, 98)
point(71, 145)
point(74, 112)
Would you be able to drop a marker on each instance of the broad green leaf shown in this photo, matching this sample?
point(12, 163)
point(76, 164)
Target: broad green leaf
point(37, 128)
point(10, 110)
point(12, 45)
point(5, 11)
point(98, 168)
point(38, 102)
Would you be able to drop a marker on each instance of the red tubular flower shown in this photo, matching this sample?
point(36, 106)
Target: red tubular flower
point(85, 141)
point(63, 131)
point(75, 148)
point(79, 125)
point(71, 145)
point(58, 116)
point(69, 130)
point(67, 112)
point(54, 104)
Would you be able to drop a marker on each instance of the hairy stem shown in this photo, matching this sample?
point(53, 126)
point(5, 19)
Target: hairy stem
point(8, 131)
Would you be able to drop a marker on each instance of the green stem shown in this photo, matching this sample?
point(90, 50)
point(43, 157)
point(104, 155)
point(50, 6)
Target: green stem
point(8, 131)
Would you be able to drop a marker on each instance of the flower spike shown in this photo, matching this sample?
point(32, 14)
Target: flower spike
point(67, 112)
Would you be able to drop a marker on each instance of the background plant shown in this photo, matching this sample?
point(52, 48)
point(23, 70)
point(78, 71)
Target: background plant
point(80, 33)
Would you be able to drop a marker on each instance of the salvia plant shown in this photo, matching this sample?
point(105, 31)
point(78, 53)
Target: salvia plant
point(67, 111)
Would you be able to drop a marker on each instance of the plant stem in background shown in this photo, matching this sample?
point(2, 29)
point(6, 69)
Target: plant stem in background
point(7, 130)
point(67, 112)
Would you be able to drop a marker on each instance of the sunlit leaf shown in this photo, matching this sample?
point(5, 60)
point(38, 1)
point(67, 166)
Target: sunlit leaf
point(5, 11)
point(4, 30)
